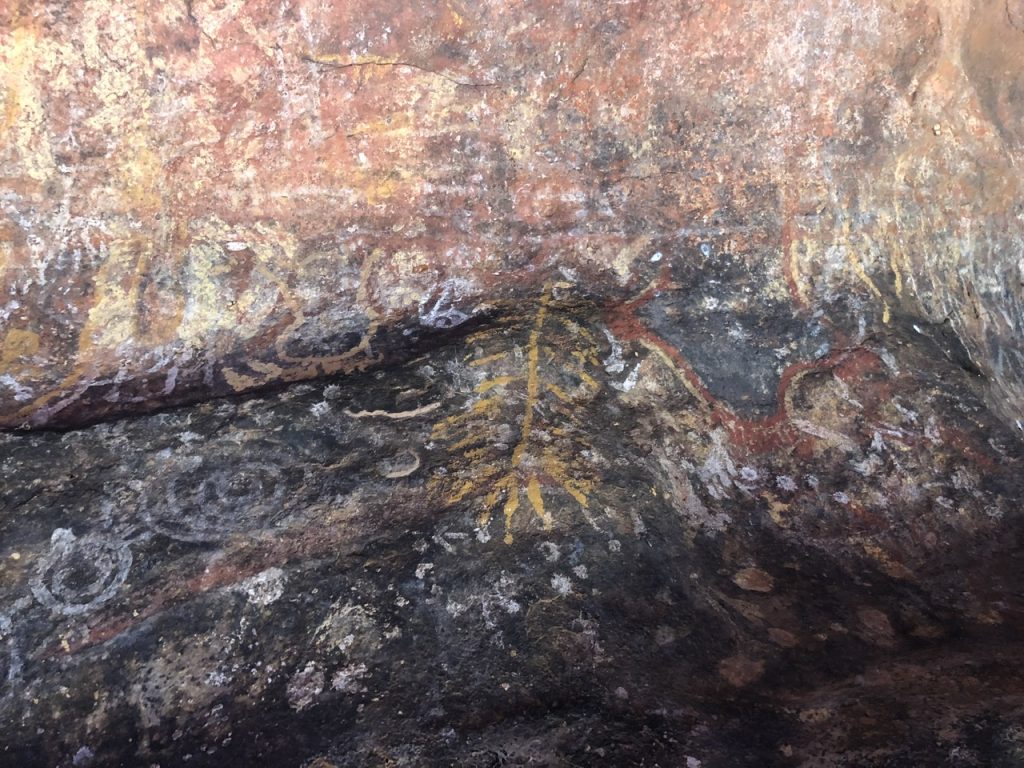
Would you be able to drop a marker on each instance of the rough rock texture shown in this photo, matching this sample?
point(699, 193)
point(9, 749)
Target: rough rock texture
point(615, 383)
point(544, 543)
point(205, 197)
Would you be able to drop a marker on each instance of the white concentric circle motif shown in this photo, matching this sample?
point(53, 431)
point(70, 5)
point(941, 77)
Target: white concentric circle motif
point(79, 574)
point(199, 506)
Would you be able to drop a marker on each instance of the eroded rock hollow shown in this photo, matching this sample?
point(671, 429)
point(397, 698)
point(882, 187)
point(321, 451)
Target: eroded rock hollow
point(511, 383)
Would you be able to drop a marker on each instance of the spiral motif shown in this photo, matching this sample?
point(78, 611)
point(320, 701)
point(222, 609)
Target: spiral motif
point(79, 574)
point(206, 507)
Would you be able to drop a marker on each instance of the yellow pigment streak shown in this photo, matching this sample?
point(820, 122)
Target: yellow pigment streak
point(520, 477)
point(532, 378)
point(865, 278)
point(560, 393)
point(532, 396)
point(489, 359)
point(796, 270)
point(533, 494)
point(499, 381)
point(511, 505)
point(896, 271)
point(894, 250)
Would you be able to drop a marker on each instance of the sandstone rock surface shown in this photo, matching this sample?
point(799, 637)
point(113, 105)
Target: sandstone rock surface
point(203, 197)
point(511, 383)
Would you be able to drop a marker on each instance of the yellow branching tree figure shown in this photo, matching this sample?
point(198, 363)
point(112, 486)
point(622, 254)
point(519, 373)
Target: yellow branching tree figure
point(542, 389)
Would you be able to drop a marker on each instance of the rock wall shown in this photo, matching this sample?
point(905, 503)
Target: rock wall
point(592, 383)
point(202, 197)
point(551, 541)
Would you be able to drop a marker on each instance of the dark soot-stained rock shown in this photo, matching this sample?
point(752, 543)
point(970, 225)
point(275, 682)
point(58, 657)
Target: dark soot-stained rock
point(444, 383)
point(543, 542)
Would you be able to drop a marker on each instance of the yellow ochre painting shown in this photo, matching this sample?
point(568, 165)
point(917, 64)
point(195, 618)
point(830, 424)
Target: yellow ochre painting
point(520, 436)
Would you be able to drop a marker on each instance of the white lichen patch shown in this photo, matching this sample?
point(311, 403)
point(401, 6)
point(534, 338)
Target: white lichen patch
point(305, 686)
point(561, 584)
point(785, 483)
point(264, 588)
point(718, 470)
point(350, 629)
point(422, 569)
point(346, 679)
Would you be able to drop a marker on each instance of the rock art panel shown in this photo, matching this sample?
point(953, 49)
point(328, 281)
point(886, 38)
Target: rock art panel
point(191, 186)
